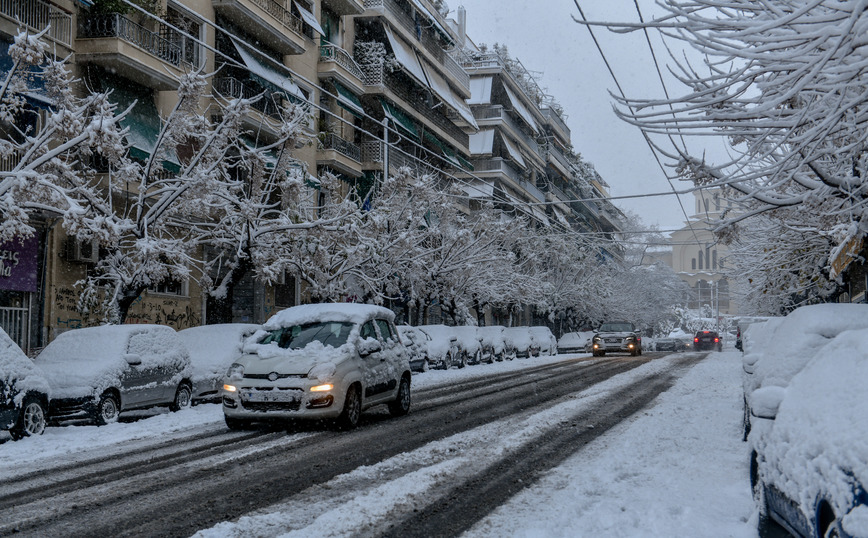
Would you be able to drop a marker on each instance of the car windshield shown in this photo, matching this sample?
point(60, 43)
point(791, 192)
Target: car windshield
point(329, 333)
point(615, 327)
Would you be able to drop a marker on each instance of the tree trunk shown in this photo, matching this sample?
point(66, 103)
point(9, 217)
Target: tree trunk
point(126, 302)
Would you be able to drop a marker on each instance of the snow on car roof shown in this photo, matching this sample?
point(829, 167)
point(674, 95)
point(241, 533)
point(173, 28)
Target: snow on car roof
point(311, 313)
point(213, 348)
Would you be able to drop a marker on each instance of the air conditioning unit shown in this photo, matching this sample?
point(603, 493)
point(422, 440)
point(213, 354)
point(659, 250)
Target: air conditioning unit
point(83, 251)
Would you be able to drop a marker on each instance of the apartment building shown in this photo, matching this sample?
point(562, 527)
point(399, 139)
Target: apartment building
point(393, 83)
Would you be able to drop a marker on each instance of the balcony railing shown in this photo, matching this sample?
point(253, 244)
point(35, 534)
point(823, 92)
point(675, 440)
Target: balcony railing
point(233, 88)
point(372, 152)
point(333, 53)
point(554, 118)
point(425, 36)
point(278, 11)
point(377, 76)
point(36, 15)
point(492, 112)
point(344, 147)
point(116, 25)
point(559, 156)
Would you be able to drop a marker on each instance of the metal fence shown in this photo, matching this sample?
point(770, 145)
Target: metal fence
point(37, 15)
point(116, 25)
point(14, 321)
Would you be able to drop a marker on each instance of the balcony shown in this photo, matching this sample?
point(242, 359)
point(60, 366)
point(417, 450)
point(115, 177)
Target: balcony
point(339, 154)
point(338, 63)
point(557, 123)
point(557, 157)
point(377, 80)
point(488, 115)
point(426, 37)
point(270, 21)
point(503, 168)
point(372, 158)
point(232, 88)
point(344, 7)
point(36, 15)
point(130, 50)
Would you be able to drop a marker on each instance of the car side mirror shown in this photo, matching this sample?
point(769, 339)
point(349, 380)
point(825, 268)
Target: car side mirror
point(369, 346)
point(133, 359)
point(765, 401)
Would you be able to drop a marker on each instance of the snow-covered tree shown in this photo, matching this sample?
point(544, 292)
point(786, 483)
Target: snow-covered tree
point(784, 82)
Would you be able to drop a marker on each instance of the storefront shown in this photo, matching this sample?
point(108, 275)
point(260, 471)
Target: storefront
point(18, 286)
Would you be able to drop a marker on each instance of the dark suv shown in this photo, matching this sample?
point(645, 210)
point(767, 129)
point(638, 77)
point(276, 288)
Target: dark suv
point(707, 341)
point(617, 336)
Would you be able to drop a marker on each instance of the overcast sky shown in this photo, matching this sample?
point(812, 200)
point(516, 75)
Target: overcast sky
point(543, 35)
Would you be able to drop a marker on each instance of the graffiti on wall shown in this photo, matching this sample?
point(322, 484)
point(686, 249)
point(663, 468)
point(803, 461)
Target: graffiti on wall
point(174, 312)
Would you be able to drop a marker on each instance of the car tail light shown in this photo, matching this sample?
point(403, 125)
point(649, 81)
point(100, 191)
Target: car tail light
point(716, 340)
point(696, 340)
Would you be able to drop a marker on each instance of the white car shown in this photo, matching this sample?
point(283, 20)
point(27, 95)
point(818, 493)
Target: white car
point(494, 346)
point(809, 459)
point(575, 342)
point(320, 361)
point(213, 348)
point(469, 343)
point(96, 373)
point(544, 342)
point(520, 340)
point(443, 349)
point(416, 343)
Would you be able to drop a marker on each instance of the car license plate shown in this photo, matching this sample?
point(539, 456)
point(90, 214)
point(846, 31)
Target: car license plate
point(270, 396)
point(613, 340)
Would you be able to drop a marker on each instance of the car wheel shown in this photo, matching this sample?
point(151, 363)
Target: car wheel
point(462, 360)
point(447, 362)
point(401, 405)
point(107, 410)
point(31, 421)
point(236, 423)
point(352, 411)
point(634, 352)
point(477, 357)
point(183, 398)
point(425, 365)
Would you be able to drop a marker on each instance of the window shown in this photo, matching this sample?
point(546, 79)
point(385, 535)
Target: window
point(170, 287)
point(693, 264)
point(385, 330)
point(700, 259)
point(368, 330)
point(714, 259)
point(190, 49)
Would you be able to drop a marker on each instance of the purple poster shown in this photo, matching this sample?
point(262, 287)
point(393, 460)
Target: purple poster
point(18, 264)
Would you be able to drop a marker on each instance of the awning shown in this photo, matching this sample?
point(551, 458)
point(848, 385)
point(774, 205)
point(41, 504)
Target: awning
point(481, 143)
point(267, 76)
point(445, 93)
point(399, 119)
point(521, 110)
point(513, 152)
point(421, 7)
point(142, 122)
point(309, 18)
point(479, 190)
point(406, 56)
point(540, 215)
point(348, 100)
point(480, 90)
point(465, 163)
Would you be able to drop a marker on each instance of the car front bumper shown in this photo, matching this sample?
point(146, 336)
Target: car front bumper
point(276, 402)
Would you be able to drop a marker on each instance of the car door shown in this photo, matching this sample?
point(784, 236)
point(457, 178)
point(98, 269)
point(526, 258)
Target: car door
point(146, 383)
point(377, 364)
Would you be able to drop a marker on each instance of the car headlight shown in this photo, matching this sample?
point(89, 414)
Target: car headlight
point(236, 371)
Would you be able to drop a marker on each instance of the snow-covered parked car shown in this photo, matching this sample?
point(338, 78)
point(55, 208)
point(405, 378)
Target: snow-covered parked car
point(319, 361)
point(443, 349)
point(668, 343)
point(543, 341)
point(416, 343)
point(96, 373)
point(520, 340)
point(575, 342)
point(469, 343)
point(494, 346)
point(24, 392)
point(809, 459)
point(779, 348)
point(213, 348)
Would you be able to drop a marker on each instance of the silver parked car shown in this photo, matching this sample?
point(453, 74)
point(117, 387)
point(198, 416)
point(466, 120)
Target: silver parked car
point(494, 346)
point(96, 373)
point(443, 350)
point(213, 348)
point(416, 343)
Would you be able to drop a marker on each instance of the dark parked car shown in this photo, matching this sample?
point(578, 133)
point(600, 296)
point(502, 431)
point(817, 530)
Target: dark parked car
point(707, 341)
point(23, 392)
point(96, 373)
point(669, 344)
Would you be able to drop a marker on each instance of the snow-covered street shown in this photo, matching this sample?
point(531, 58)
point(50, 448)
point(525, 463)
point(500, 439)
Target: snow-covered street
point(676, 468)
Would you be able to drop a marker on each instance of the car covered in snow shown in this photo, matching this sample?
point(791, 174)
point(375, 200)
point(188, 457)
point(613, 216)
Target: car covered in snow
point(521, 341)
point(617, 336)
point(319, 361)
point(443, 349)
point(96, 373)
point(777, 349)
point(416, 343)
point(575, 342)
point(809, 459)
point(469, 343)
point(543, 341)
point(494, 345)
point(669, 344)
point(24, 392)
point(213, 348)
